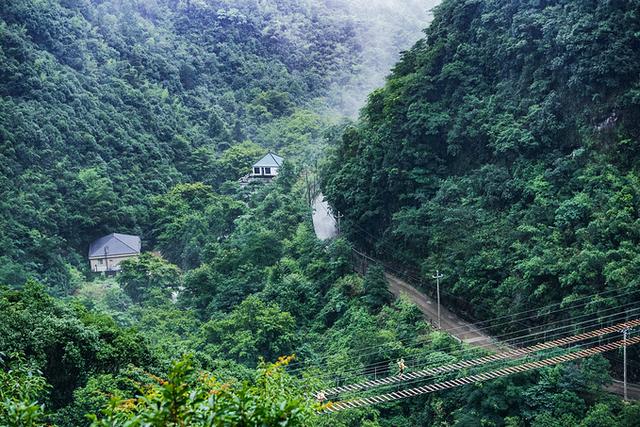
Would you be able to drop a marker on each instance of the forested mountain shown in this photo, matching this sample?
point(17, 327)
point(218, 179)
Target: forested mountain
point(504, 150)
point(104, 103)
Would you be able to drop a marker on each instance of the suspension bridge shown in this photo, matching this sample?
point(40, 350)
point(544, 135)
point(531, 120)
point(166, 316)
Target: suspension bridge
point(570, 355)
point(510, 353)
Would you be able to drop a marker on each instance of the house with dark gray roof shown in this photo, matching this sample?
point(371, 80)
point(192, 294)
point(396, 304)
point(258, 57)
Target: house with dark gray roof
point(106, 253)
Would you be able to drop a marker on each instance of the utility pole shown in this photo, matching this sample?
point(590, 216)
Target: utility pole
point(338, 217)
point(438, 276)
point(306, 182)
point(625, 334)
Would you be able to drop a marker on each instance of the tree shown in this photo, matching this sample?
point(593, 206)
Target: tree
point(237, 160)
point(149, 277)
point(97, 393)
point(599, 416)
point(188, 218)
point(376, 289)
point(253, 330)
point(65, 341)
point(22, 391)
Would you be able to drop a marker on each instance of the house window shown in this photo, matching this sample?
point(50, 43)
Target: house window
point(267, 171)
point(256, 171)
point(101, 260)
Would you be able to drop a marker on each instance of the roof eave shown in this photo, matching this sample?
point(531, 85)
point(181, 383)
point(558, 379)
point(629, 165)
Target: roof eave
point(113, 255)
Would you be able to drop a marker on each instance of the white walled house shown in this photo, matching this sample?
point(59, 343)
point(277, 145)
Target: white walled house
point(106, 253)
point(267, 167)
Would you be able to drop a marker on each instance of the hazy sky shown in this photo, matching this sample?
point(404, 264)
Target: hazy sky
point(388, 27)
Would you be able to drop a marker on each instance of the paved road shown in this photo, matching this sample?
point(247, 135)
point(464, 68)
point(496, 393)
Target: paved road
point(633, 390)
point(450, 323)
point(324, 223)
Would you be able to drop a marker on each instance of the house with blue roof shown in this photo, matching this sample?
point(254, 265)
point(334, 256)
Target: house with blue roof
point(106, 253)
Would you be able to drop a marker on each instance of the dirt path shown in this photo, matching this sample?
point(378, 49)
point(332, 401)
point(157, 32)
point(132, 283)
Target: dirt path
point(450, 323)
point(468, 333)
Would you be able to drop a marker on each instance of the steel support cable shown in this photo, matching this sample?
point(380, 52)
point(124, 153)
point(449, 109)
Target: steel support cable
point(414, 382)
point(590, 323)
point(513, 341)
point(388, 397)
point(472, 351)
point(591, 342)
point(516, 353)
point(427, 374)
point(417, 381)
point(475, 325)
point(423, 381)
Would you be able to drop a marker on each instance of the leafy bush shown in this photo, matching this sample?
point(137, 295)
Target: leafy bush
point(191, 398)
point(22, 392)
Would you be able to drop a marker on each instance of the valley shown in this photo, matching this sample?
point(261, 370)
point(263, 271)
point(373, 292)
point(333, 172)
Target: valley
point(233, 213)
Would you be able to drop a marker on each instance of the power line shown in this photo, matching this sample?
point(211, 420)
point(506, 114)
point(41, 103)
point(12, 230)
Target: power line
point(486, 328)
point(403, 394)
point(477, 325)
point(462, 353)
point(585, 324)
point(585, 344)
point(516, 353)
point(548, 334)
point(507, 338)
point(423, 378)
point(437, 277)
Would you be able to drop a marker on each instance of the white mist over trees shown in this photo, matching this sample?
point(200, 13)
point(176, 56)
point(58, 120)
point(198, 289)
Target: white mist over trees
point(384, 29)
point(380, 28)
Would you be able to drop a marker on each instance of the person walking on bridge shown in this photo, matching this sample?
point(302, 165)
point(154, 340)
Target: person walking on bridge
point(401, 366)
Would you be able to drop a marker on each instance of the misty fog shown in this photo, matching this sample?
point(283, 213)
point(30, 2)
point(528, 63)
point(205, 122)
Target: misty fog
point(384, 29)
point(381, 29)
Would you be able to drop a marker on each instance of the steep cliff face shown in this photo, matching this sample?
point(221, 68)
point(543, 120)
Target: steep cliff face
point(503, 150)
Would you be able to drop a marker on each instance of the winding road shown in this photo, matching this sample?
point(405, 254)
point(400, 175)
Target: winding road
point(324, 223)
point(449, 322)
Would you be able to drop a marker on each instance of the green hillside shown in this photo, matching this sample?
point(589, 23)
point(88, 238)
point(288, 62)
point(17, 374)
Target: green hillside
point(504, 150)
point(105, 103)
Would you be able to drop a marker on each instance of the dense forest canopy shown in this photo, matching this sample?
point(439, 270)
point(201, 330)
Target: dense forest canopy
point(502, 149)
point(106, 103)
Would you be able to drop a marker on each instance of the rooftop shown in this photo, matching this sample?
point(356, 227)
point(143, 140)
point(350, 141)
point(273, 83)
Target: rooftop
point(115, 244)
point(270, 160)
